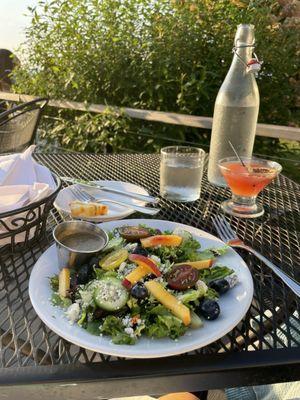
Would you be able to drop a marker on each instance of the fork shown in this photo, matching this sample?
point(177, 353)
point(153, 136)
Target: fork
point(86, 197)
point(228, 236)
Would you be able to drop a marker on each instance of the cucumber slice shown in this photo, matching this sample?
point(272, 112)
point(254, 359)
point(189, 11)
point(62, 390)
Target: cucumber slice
point(110, 294)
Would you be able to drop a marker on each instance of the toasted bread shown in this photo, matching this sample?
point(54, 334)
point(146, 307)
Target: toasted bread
point(80, 209)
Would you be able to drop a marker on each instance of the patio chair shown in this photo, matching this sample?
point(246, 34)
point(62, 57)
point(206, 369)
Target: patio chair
point(18, 125)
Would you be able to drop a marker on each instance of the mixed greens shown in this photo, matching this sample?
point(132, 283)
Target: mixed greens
point(145, 282)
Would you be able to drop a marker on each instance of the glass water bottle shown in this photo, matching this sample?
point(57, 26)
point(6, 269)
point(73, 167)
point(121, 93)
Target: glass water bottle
point(236, 107)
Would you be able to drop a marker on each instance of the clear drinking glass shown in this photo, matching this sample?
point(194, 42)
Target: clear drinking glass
point(246, 182)
point(181, 170)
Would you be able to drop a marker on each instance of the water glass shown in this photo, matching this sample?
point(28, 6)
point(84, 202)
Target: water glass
point(181, 170)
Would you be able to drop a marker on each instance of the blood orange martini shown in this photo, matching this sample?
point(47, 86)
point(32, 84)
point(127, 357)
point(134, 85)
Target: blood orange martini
point(246, 181)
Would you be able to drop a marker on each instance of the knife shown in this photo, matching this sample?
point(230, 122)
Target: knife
point(137, 196)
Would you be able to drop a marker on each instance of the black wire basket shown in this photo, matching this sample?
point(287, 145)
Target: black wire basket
point(20, 228)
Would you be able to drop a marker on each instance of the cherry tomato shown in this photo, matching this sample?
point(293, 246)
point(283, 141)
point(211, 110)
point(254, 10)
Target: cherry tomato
point(182, 277)
point(133, 233)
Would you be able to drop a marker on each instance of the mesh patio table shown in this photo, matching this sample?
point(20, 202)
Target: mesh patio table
point(263, 348)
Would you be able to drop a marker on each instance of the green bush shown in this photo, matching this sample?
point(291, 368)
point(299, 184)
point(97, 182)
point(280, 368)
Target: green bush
point(86, 131)
point(162, 55)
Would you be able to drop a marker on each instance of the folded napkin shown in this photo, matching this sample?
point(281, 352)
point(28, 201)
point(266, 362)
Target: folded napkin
point(22, 181)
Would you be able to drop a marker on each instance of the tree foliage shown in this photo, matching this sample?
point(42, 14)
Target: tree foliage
point(152, 54)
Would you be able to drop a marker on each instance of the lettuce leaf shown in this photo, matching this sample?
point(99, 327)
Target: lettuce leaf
point(123, 338)
point(186, 251)
point(211, 294)
point(161, 323)
point(134, 306)
point(113, 244)
point(59, 301)
point(112, 326)
point(54, 283)
point(208, 254)
point(82, 318)
point(191, 295)
point(99, 272)
point(214, 273)
point(93, 327)
point(159, 310)
point(165, 326)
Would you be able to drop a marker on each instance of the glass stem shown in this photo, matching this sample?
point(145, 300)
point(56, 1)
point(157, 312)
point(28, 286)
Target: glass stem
point(244, 201)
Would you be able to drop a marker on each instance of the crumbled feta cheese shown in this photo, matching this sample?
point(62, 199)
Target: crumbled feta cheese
point(72, 313)
point(86, 297)
point(129, 331)
point(232, 280)
point(130, 246)
point(126, 270)
point(200, 285)
point(126, 321)
point(156, 259)
point(165, 268)
point(122, 266)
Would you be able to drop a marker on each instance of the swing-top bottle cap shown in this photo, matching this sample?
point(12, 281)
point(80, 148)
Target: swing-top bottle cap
point(244, 35)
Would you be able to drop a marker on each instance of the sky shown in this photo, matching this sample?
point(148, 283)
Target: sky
point(13, 21)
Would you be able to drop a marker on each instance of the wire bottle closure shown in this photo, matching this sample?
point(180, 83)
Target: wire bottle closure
point(254, 64)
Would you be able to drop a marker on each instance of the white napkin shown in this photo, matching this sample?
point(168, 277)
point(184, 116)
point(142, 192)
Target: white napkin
point(22, 181)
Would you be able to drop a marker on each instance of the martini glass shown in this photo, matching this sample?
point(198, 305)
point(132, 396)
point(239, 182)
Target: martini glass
point(246, 182)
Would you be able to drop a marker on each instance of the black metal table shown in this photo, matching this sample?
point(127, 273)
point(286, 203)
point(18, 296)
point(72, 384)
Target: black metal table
point(263, 348)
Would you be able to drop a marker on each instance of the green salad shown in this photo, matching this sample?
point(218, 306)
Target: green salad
point(145, 282)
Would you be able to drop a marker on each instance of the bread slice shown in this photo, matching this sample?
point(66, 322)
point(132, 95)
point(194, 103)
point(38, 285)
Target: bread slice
point(80, 209)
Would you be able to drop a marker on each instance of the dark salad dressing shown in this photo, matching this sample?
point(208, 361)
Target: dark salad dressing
point(83, 241)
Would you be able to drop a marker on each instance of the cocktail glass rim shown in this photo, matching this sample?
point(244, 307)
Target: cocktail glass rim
point(246, 206)
point(270, 164)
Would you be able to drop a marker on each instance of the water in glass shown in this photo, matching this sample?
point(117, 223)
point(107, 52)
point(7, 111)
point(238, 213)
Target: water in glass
point(181, 173)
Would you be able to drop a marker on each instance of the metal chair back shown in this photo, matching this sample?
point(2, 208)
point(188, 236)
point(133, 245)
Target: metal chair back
point(18, 125)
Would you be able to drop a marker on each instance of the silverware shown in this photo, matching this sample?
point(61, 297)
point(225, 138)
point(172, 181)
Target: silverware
point(86, 197)
point(72, 257)
point(137, 196)
point(228, 236)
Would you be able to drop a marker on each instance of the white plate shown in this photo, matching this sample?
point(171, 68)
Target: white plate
point(115, 211)
point(234, 304)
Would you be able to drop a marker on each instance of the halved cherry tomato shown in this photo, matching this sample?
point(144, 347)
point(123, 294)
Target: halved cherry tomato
point(113, 260)
point(182, 277)
point(133, 233)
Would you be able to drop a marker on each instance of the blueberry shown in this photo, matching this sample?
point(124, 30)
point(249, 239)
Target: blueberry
point(99, 313)
point(139, 291)
point(140, 250)
point(210, 309)
point(220, 285)
point(150, 277)
point(94, 262)
point(73, 281)
point(84, 274)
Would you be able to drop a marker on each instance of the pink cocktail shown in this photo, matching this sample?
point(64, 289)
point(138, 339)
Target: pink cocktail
point(246, 182)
